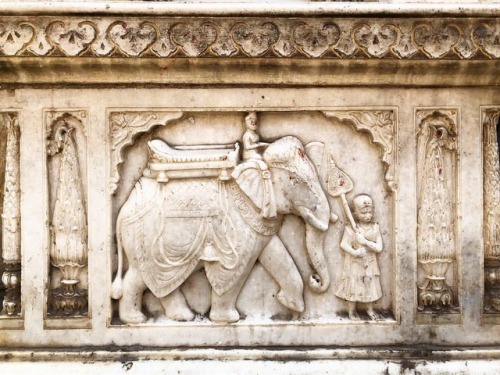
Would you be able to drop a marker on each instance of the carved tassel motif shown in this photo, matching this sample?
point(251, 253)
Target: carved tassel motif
point(69, 228)
point(436, 216)
point(491, 212)
point(11, 236)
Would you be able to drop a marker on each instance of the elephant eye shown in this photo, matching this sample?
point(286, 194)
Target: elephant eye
point(294, 180)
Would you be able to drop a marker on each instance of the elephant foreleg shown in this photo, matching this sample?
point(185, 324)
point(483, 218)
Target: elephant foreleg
point(224, 306)
point(131, 302)
point(276, 260)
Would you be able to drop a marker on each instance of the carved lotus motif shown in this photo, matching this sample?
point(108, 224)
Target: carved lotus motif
point(14, 37)
point(255, 39)
point(72, 38)
point(132, 39)
point(376, 40)
point(194, 39)
point(487, 37)
point(316, 39)
point(436, 41)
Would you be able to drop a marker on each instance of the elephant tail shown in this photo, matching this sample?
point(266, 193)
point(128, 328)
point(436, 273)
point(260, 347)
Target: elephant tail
point(117, 286)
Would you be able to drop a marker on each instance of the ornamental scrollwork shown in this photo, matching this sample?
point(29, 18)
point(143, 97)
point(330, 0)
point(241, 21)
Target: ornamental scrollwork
point(246, 37)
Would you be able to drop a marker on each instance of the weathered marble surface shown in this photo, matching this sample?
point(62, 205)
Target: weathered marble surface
point(227, 151)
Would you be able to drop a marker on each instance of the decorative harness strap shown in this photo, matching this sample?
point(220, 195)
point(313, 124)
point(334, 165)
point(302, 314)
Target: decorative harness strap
point(251, 214)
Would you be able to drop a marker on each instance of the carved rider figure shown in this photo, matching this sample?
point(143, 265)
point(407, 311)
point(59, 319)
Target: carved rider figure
point(252, 159)
point(251, 140)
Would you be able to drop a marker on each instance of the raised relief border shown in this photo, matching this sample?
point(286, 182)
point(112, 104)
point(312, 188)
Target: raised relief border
point(491, 235)
point(328, 38)
point(67, 301)
point(194, 217)
point(437, 215)
point(10, 267)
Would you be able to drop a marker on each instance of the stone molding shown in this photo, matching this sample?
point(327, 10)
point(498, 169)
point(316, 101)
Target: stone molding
point(331, 37)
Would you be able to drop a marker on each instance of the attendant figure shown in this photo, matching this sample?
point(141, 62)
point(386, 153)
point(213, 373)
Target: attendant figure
point(251, 140)
point(360, 280)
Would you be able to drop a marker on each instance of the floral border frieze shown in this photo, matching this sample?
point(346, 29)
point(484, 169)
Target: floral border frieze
point(328, 38)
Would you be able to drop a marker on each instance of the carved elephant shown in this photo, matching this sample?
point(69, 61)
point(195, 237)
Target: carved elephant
point(170, 230)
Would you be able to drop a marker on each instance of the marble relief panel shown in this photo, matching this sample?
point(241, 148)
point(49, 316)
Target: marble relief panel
point(491, 235)
point(10, 267)
point(224, 216)
point(66, 139)
point(437, 214)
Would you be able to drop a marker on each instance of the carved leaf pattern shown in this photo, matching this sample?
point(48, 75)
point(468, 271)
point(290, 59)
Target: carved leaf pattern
point(405, 47)
point(316, 39)
point(194, 39)
point(14, 37)
point(487, 37)
point(40, 45)
point(285, 46)
point(72, 38)
point(69, 223)
point(11, 235)
point(436, 143)
point(309, 37)
point(436, 41)
point(376, 40)
point(163, 46)
point(255, 38)
point(491, 186)
point(224, 46)
point(132, 38)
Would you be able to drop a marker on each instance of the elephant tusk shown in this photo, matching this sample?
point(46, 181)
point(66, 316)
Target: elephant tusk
point(333, 218)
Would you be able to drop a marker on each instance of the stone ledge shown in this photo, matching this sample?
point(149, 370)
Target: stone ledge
point(97, 354)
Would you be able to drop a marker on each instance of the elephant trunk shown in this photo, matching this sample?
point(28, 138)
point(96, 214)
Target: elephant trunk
point(320, 280)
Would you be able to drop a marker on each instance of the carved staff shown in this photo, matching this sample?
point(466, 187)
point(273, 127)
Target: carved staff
point(338, 185)
point(11, 236)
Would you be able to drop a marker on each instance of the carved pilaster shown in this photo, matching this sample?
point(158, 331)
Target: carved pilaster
point(68, 228)
point(436, 216)
point(491, 165)
point(11, 236)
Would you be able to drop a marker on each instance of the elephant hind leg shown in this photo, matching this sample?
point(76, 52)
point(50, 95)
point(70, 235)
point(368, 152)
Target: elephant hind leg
point(131, 302)
point(223, 308)
point(176, 307)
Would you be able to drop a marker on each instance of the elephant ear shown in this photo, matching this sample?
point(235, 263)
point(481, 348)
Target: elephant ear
point(316, 152)
point(257, 186)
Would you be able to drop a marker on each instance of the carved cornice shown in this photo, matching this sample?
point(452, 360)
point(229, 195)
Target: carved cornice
point(247, 37)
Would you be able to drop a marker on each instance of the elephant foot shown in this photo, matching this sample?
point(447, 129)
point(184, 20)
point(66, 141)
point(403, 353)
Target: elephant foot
point(133, 317)
point(180, 313)
point(293, 302)
point(228, 315)
point(176, 307)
